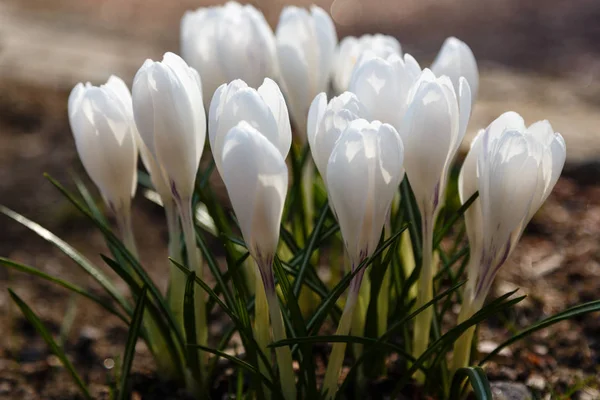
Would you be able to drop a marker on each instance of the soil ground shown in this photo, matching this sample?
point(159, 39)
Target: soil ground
point(541, 60)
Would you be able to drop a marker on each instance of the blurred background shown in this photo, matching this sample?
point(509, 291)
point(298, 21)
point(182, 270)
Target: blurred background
point(540, 58)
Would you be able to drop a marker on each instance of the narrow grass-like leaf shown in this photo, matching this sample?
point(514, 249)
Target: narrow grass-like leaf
point(327, 304)
point(392, 330)
point(242, 328)
point(414, 223)
point(444, 342)
point(133, 262)
point(214, 268)
point(189, 322)
point(69, 286)
point(575, 311)
point(45, 334)
point(478, 380)
point(76, 256)
point(444, 230)
point(306, 359)
point(242, 364)
point(312, 243)
point(132, 336)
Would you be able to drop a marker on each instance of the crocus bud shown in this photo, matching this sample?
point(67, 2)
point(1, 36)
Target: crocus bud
point(432, 130)
point(454, 60)
point(327, 121)
point(305, 50)
point(363, 173)
point(228, 42)
point(514, 168)
point(169, 113)
point(382, 85)
point(264, 109)
point(256, 177)
point(102, 123)
point(349, 55)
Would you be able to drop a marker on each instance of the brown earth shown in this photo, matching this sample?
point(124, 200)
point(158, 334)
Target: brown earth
point(538, 58)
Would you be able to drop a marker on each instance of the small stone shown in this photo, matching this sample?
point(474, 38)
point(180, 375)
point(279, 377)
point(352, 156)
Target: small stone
point(487, 346)
point(540, 349)
point(536, 381)
point(5, 387)
point(589, 393)
point(53, 361)
point(509, 391)
point(90, 333)
point(109, 363)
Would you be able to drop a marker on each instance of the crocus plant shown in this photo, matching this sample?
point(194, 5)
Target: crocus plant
point(390, 118)
point(514, 168)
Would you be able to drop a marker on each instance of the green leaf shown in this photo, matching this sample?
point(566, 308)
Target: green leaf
point(45, 334)
point(401, 323)
point(245, 332)
point(308, 367)
point(240, 363)
point(478, 380)
point(76, 256)
point(189, 322)
point(561, 316)
point(442, 232)
point(329, 302)
point(132, 336)
point(411, 210)
point(69, 286)
point(445, 341)
point(112, 240)
point(312, 245)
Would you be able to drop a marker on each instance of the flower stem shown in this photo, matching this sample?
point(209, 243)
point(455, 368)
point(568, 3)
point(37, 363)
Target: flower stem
point(424, 293)
point(176, 276)
point(195, 262)
point(308, 175)
point(123, 216)
point(462, 347)
point(261, 320)
point(282, 353)
point(336, 359)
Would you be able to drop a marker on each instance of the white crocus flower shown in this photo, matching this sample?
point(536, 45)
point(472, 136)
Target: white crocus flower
point(104, 133)
point(256, 177)
point(382, 85)
point(514, 168)
point(263, 108)
point(169, 113)
point(327, 122)
point(305, 48)
point(454, 60)
point(170, 116)
point(101, 119)
point(350, 51)
point(432, 129)
point(228, 42)
point(496, 156)
point(363, 173)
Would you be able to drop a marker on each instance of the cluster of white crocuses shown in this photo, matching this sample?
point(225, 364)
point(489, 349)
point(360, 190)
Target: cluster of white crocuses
point(390, 117)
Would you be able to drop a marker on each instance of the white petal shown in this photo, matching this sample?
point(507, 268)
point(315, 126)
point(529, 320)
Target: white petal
point(170, 116)
point(104, 137)
point(246, 105)
point(315, 115)
point(256, 178)
point(363, 173)
point(273, 98)
point(454, 60)
point(427, 133)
